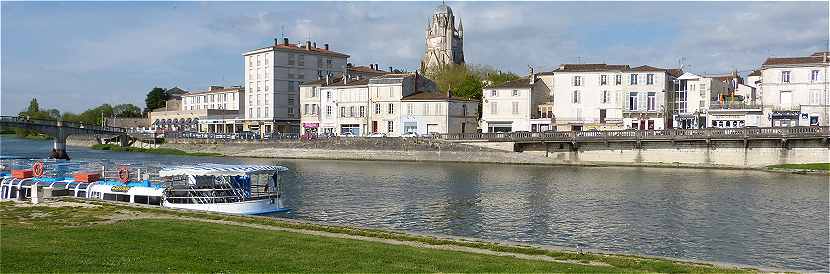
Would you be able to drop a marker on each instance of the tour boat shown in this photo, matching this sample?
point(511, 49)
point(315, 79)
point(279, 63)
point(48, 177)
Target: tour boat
point(238, 189)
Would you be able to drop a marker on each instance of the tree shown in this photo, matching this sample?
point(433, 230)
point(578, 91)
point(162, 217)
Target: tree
point(467, 80)
point(156, 99)
point(127, 111)
point(34, 107)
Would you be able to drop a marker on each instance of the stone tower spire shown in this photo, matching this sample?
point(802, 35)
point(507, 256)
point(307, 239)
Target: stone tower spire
point(444, 44)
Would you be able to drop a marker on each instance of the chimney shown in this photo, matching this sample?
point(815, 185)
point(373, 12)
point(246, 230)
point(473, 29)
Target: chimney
point(315, 45)
point(276, 41)
point(308, 45)
point(825, 58)
point(328, 79)
point(376, 66)
point(326, 46)
point(532, 76)
point(390, 69)
point(346, 74)
point(285, 41)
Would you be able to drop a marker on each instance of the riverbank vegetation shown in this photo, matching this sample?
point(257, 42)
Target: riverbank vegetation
point(166, 151)
point(103, 237)
point(810, 166)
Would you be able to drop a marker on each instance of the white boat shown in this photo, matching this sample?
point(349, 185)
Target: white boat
point(239, 189)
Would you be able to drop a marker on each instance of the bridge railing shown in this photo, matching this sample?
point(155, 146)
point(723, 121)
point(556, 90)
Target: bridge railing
point(54, 123)
point(666, 134)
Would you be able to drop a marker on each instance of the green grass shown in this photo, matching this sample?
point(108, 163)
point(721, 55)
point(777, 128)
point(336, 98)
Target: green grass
point(811, 166)
point(74, 239)
point(168, 151)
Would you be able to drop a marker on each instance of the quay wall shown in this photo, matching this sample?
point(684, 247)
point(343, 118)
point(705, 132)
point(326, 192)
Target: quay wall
point(717, 154)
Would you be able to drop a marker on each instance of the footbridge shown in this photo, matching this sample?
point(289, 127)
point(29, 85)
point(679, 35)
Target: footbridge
point(60, 130)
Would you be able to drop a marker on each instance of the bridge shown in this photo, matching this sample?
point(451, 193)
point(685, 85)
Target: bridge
point(60, 130)
point(574, 138)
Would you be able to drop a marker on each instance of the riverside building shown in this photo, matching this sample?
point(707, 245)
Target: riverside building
point(515, 106)
point(795, 91)
point(215, 110)
point(272, 82)
point(391, 104)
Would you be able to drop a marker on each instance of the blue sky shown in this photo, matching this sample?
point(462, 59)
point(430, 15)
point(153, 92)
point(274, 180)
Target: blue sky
point(74, 55)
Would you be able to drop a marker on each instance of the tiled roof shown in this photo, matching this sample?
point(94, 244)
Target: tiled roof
point(436, 95)
point(589, 67)
point(820, 53)
point(523, 82)
point(313, 50)
point(756, 72)
point(230, 89)
point(793, 60)
point(365, 69)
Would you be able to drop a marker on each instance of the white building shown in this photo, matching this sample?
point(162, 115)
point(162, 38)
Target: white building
point(610, 97)
point(272, 78)
point(795, 91)
point(216, 97)
point(390, 104)
point(215, 110)
point(514, 106)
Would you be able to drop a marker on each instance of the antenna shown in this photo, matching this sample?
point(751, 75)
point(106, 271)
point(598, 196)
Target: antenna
point(282, 32)
point(579, 59)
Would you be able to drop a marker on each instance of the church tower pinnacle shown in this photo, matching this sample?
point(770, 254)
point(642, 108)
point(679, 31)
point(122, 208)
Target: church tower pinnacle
point(444, 43)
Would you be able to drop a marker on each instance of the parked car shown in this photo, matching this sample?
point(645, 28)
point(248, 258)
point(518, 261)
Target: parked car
point(409, 135)
point(377, 135)
point(347, 134)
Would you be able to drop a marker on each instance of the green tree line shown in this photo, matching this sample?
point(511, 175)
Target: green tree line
point(467, 80)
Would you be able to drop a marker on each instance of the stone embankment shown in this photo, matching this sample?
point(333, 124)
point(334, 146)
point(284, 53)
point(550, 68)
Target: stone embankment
point(396, 149)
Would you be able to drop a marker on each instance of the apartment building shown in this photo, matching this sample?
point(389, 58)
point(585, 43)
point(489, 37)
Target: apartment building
point(272, 79)
point(216, 109)
point(391, 103)
point(514, 106)
point(795, 90)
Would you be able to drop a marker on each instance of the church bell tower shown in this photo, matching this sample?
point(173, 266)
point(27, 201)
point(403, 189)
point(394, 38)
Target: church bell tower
point(444, 43)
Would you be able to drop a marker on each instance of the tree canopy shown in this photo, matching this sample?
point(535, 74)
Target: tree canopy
point(156, 99)
point(467, 80)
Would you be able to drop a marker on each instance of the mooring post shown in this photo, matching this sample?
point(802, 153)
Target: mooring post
point(59, 148)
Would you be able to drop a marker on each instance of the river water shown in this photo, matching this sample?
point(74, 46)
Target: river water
point(743, 217)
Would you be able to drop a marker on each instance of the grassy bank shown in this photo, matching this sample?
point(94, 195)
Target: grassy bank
point(810, 166)
point(168, 151)
point(106, 238)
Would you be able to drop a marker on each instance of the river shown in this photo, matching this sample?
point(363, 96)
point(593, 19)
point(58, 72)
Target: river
point(734, 216)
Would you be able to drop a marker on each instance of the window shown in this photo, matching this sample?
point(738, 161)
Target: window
point(604, 98)
point(603, 80)
point(494, 108)
point(390, 126)
point(377, 108)
point(266, 85)
point(328, 64)
point(291, 58)
point(633, 79)
point(305, 109)
point(618, 80)
point(493, 93)
point(632, 101)
point(250, 61)
point(515, 107)
point(814, 75)
point(650, 79)
point(258, 99)
point(410, 109)
point(290, 112)
point(391, 108)
point(426, 109)
point(463, 110)
point(258, 86)
point(575, 97)
point(362, 111)
point(652, 103)
point(301, 60)
point(577, 81)
point(266, 111)
point(266, 59)
point(351, 111)
point(290, 100)
point(785, 76)
point(258, 112)
point(258, 60)
point(313, 109)
point(328, 111)
point(251, 111)
point(515, 92)
point(328, 95)
point(342, 111)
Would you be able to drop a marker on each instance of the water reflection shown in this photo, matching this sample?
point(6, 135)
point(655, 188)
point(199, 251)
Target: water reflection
point(745, 217)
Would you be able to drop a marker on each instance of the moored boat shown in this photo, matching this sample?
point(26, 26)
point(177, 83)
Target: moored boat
point(239, 189)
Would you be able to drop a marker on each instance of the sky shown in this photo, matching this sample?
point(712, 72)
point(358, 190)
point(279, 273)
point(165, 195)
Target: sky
point(76, 55)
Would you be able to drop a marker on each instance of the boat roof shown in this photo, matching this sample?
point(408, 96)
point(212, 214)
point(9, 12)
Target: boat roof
point(219, 170)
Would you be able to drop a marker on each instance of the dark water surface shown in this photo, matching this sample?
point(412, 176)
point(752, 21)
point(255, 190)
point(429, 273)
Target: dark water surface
point(743, 217)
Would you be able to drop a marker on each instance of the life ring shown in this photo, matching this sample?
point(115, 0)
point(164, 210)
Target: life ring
point(37, 169)
point(124, 174)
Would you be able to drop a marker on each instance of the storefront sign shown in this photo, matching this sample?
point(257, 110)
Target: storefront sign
point(311, 125)
point(784, 115)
